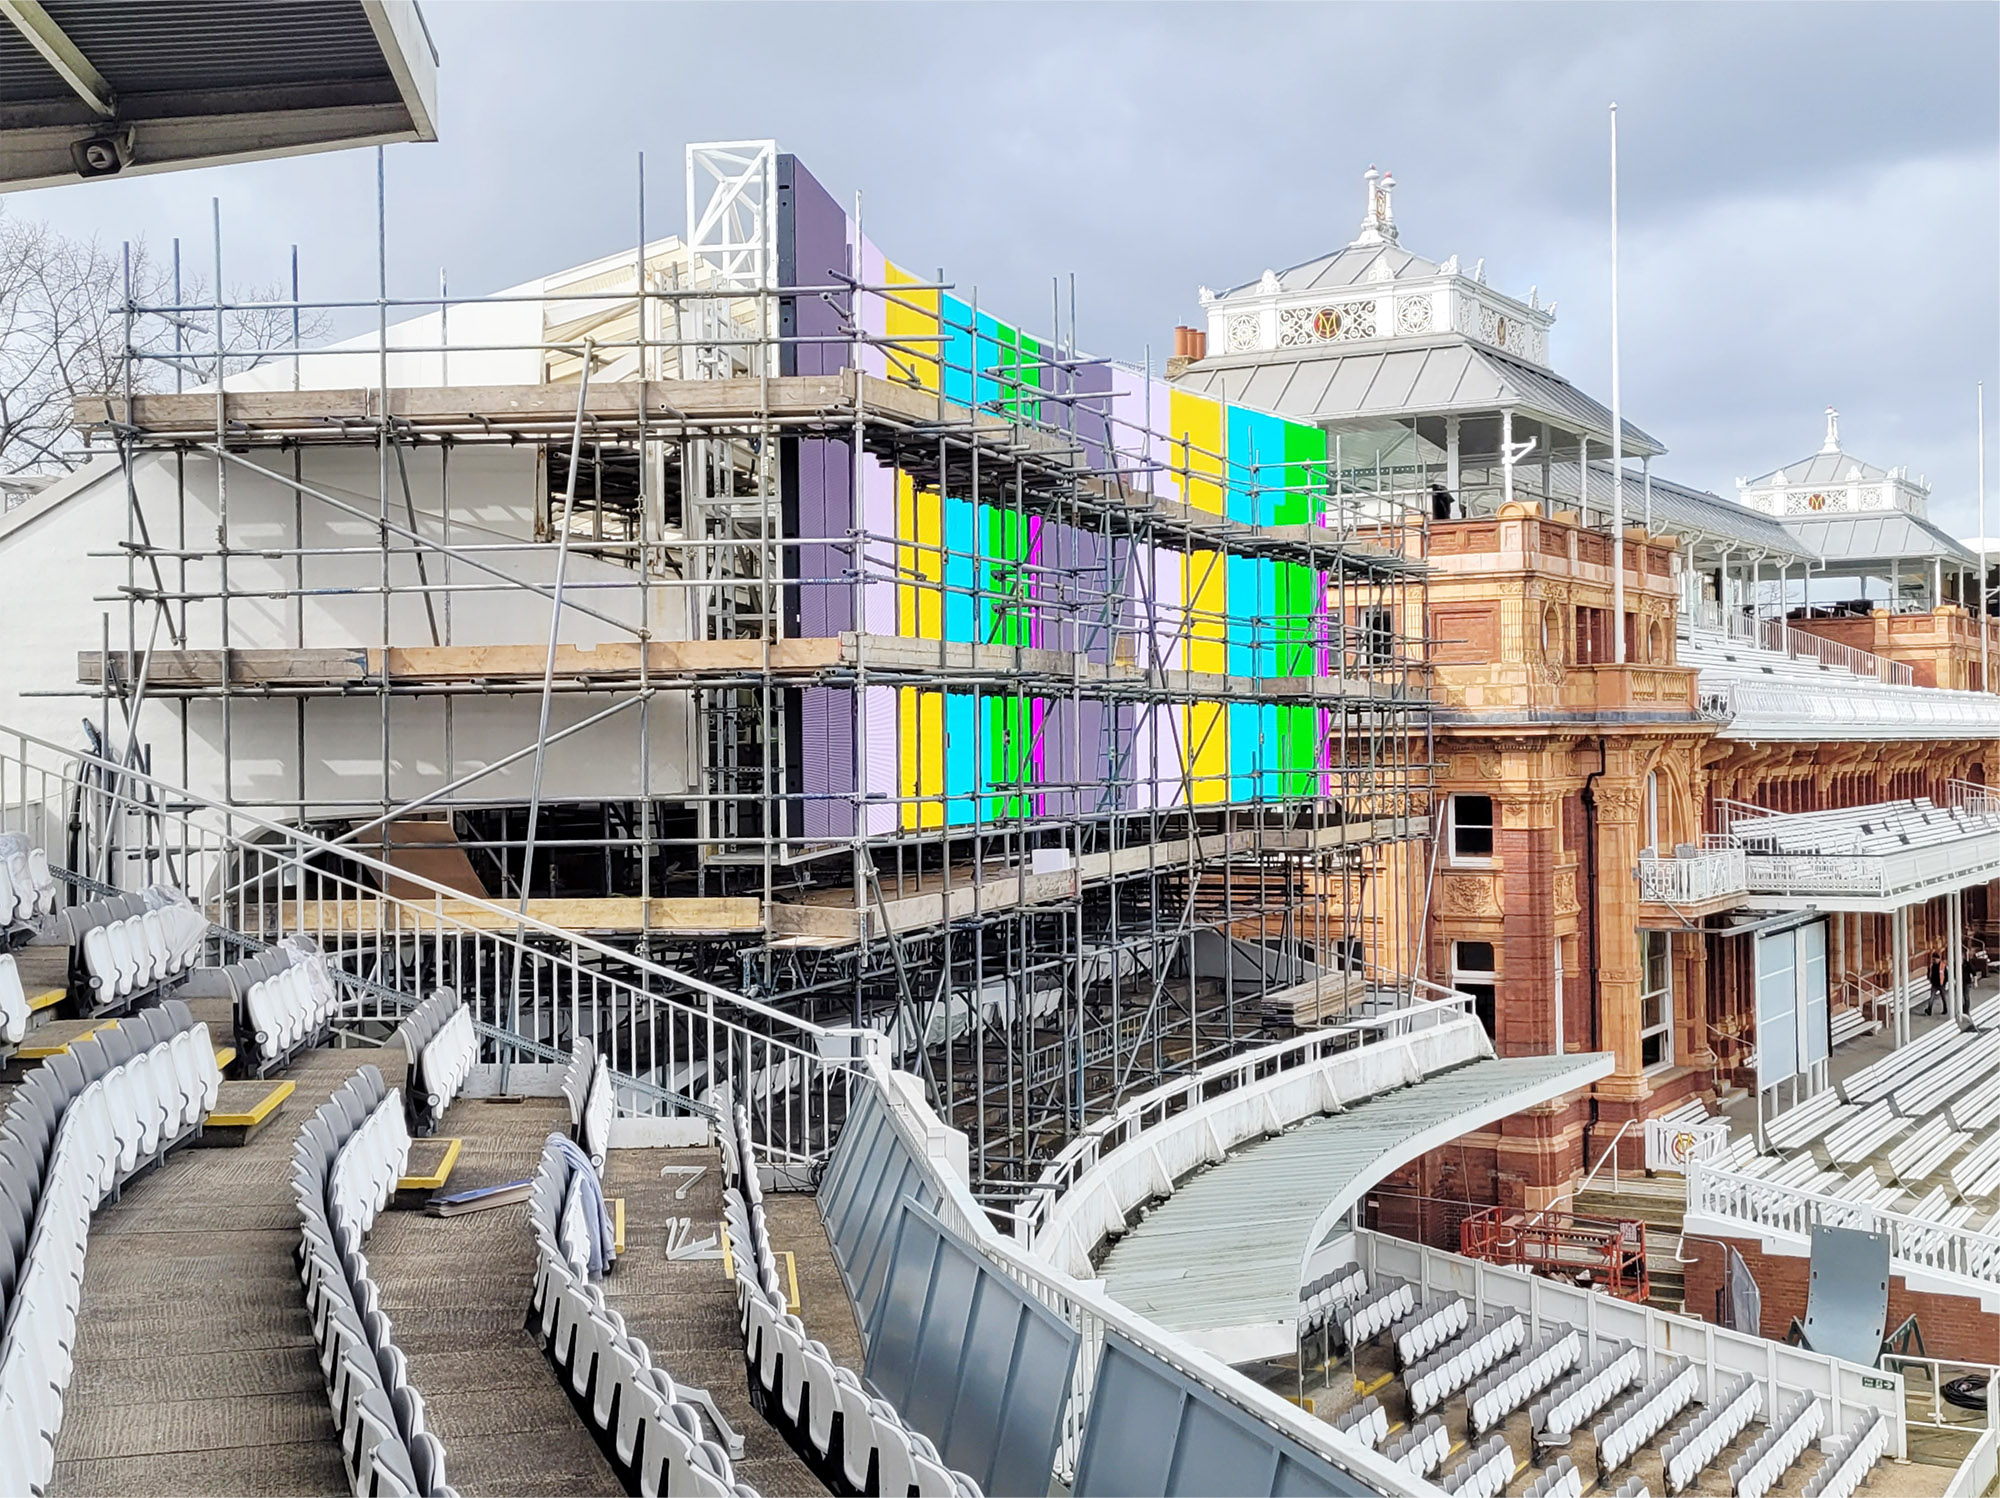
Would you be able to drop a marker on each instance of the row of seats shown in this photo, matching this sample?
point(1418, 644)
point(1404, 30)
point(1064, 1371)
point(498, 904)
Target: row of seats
point(1621, 1434)
point(132, 945)
point(348, 1149)
point(1484, 1473)
point(1773, 1454)
point(1726, 1415)
point(74, 1130)
point(1496, 1396)
point(442, 1046)
point(15, 1015)
point(592, 1100)
point(27, 884)
point(1425, 1330)
point(1376, 1312)
point(1463, 1359)
point(1850, 1457)
point(648, 1425)
point(1580, 1396)
point(1366, 1421)
point(284, 1001)
point(1328, 1293)
point(1422, 1448)
point(840, 1430)
point(1562, 1480)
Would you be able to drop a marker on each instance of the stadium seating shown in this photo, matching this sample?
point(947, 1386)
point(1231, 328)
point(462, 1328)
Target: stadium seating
point(27, 887)
point(128, 948)
point(442, 1045)
point(1456, 1364)
point(1496, 1396)
point(345, 1164)
point(1484, 1473)
point(1432, 1325)
point(14, 1015)
point(649, 1426)
point(1784, 1441)
point(1422, 1448)
point(1728, 1412)
point(284, 1003)
point(75, 1131)
point(1620, 1435)
point(1850, 1457)
point(1584, 1393)
point(854, 1441)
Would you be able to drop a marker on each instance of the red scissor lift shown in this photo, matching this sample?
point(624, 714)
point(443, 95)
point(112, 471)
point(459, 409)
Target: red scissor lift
point(1608, 1254)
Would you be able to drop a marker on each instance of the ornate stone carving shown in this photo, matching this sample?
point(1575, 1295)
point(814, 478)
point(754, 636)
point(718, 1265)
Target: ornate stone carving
point(1242, 332)
point(1565, 892)
point(1468, 894)
point(1413, 315)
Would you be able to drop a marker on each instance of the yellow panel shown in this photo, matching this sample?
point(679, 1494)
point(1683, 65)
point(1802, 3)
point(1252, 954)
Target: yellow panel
point(920, 718)
point(1197, 434)
point(915, 357)
point(434, 1178)
point(1205, 589)
point(1208, 750)
point(919, 596)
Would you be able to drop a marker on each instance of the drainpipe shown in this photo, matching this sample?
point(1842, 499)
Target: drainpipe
point(1590, 904)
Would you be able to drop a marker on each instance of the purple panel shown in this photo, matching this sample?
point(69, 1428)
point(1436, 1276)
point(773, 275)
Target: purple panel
point(812, 251)
point(1090, 391)
point(827, 714)
point(878, 518)
point(826, 515)
point(1091, 633)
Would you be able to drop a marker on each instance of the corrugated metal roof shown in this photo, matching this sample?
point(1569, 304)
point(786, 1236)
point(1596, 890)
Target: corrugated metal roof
point(1449, 376)
point(1692, 513)
point(1822, 468)
point(1878, 535)
point(1226, 1248)
point(1351, 265)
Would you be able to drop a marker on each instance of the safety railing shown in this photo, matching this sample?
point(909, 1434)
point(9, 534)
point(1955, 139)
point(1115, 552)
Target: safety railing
point(1798, 644)
point(1611, 1254)
point(1725, 1199)
point(1690, 879)
point(1972, 799)
point(533, 987)
point(1427, 1004)
point(1093, 1313)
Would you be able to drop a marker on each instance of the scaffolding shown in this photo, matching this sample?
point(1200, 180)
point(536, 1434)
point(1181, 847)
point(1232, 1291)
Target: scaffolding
point(798, 628)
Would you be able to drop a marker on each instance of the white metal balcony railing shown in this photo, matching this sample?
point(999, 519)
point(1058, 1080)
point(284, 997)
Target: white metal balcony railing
point(533, 987)
point(1693, 878)
point(1724, 1199)
point(1798, 644)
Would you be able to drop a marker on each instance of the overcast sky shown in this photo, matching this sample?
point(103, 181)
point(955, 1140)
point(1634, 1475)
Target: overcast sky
point(1811, 202)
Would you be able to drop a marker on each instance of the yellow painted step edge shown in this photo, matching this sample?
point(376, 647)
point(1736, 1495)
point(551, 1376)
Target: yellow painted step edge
point(223, 1056)
point(618, 1226)
point(48, 998)
point(436, 1179)
point(265, 1107)
point(61, 1047)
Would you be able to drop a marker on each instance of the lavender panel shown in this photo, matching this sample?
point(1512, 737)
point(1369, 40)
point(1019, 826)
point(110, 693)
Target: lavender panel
point(826, 517)
point(1089, 388)
point(828, 717)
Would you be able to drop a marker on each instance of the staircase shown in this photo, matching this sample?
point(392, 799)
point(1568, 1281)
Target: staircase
point(1661, 1203)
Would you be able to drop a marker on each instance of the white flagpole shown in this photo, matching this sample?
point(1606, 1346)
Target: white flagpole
point(1985, 679)
point(1617, 430)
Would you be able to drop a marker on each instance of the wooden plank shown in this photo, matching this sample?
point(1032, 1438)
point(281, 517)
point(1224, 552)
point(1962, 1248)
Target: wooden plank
point(691, 914)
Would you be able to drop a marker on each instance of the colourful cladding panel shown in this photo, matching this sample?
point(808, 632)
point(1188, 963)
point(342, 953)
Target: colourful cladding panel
point(961, 757)
point(911, 321)
point(1004, 764)
point(1003, 581)
point(1305, 474)
point(1294, 620)
point(961, 570)
point(1244, 617)
point(1207, 751)
point(1256, 469)
point(1196, 429)
point(1245, 751)
point(921, 762)
point(958, 356)
point(1205, 588)
point(1298, 747)
point(920, 564)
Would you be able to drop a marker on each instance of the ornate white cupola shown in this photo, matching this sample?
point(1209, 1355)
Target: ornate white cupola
point(1834, 482)
point(1378, 224)
point(1372, 291)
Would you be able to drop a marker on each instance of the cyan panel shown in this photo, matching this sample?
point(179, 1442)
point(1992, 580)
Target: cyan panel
point(961, 571)
point(1242, 604)
point(957, 350)
point(1244, 754)
point(1256, 466)
point(961, 757)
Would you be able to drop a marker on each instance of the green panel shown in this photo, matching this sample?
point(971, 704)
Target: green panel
point(1300, 751)
point(1033, 374)
point(1004, 611)
point(1305, 475)
point(1008, 729)
point(1294, 619)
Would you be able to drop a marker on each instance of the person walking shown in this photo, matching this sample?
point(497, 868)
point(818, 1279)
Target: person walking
point(1939, 980)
